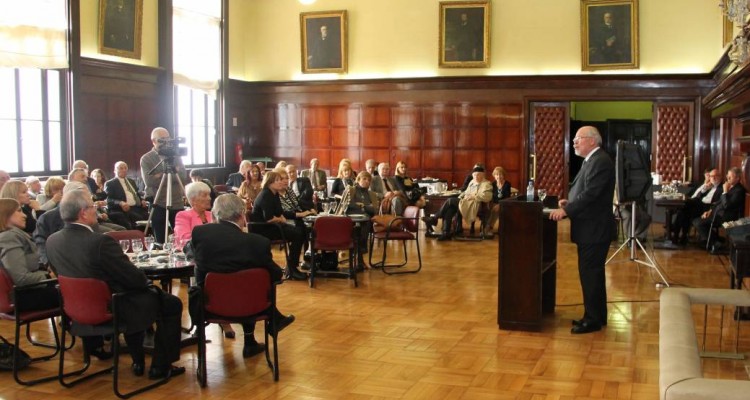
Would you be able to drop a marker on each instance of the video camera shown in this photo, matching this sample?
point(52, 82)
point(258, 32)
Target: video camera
point(170, 147)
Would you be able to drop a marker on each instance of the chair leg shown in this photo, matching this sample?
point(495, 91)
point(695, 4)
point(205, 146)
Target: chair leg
point(16, 354)
point(201, 372)
point(352, 271)
point(313, 267)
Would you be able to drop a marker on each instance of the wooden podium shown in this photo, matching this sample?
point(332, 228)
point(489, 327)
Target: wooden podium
point(527, 264)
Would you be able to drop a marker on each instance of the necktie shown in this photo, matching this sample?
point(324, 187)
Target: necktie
point(131, 190)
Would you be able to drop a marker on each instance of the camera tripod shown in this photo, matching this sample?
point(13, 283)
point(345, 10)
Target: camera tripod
point(633, 241)
point(170, 172)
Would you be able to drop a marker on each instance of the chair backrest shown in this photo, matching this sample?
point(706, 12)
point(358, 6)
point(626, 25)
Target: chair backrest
point(333, 233)
point(221, 189)
point(6, 290)
point(237, 294)
point(85, 300)
point(411, 221)
point(131, 234)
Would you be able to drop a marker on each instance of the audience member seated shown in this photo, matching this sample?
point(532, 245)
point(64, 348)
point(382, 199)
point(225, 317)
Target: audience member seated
point(251, 186)
point(18, 191)
point(100, 257)
point(52, 194)
point(4, 177)
point(196, 175)
point(316, 176)
point(344, 178)
point(85, 167)
point(301, 187)
point(470, 176)
point(292, 209)
point(225, 247)
point(261, 167)
point(268, 209)
point(80, 175)
point(235, 180)
point(363, 201)
point(199, 197)
point(35, 187)
point(500, 191)
point(123, 197)
point(99, 179)
point(700, 201)
point(465, 206)
point(731, 206)
point(19, 257)
point(51, 222)
point(371, 166)
point(409, 191)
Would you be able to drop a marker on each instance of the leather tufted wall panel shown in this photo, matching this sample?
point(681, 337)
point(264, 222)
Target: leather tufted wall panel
point(674, 126)
point(551, 124)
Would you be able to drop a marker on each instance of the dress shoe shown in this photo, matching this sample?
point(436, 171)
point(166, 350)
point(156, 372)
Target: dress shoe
point(138, 368)
point(169, 371)
point(251, 349)
point(585, 327)
point(305, 266)
point(294, 275)
point(444, 237)
point(101, 354)
point(281, 323)
point(576, 322)
point(228, 333)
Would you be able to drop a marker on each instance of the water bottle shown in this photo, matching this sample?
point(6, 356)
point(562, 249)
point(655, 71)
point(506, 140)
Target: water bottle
point(530, 191)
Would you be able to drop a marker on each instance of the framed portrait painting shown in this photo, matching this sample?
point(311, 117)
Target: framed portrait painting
point(323, 36)
point(609, 34)
point(120, 27)
point(464, 34)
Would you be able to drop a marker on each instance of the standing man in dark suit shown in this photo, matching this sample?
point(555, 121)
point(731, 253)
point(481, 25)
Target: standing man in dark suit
point(592, 224)
point(729, 207)
point(301, 187)
point(122, 196)
point(100, 257)
point(225, 247)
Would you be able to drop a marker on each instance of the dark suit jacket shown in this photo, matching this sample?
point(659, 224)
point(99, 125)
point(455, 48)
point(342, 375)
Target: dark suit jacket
point(505, 190)
point(49, 223)
point(223, 247)
point(77, 252)
point(731, 206)
point(116, 193)
point(235, 180)
point(590, 201)
point(305, 198)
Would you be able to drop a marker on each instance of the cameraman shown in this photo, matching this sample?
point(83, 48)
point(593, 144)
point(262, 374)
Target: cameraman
point(152, 174)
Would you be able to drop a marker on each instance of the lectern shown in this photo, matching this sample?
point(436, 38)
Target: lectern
point(527, 264)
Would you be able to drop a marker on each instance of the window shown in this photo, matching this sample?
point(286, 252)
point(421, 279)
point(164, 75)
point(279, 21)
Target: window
point(196, 122)
point(197, 62)
point(32, 128)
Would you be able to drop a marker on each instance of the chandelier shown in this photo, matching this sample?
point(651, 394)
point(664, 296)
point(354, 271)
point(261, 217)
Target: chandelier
point(737, 11)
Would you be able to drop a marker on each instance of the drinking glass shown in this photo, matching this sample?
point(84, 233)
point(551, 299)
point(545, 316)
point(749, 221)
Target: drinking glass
point(125, 245)
point(542, 194)
point(149, 243)
point(137, 247)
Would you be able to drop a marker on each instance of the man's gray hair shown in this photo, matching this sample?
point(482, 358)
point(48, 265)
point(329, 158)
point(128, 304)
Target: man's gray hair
point(228, 207)
point(594, 133)
point(382, 165)
point(76, 171)
point(192, 190)
point(73, 203)
point(74, 186)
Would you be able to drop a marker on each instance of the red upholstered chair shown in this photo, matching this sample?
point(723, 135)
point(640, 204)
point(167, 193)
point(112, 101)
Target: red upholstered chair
point(332, 234)
point(90, 309)
point(10, 297)
point(131, 235)
point(281, 241)
point(408, 232)
point(237, 297)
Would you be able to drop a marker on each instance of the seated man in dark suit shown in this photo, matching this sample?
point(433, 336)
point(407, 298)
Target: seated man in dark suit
point(700, 201)
point(301, 187)
point(226, 247)
point(122, 196)
point(235, 179)
point(78, 252)
point(731, 206)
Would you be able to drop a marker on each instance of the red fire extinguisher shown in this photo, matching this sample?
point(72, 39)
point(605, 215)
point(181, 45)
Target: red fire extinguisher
point(238, 152)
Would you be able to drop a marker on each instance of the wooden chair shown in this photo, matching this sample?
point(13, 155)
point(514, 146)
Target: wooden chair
point(237, 297)
point(90, 309)
point(408, 232)
point(11, 299)
point(333, 234)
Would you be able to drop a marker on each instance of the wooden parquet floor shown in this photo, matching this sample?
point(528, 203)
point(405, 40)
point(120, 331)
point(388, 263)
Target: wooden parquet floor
point(434, 335)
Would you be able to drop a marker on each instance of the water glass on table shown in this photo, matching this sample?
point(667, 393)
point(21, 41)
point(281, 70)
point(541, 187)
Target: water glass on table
point(125, 245)
point(542, 193)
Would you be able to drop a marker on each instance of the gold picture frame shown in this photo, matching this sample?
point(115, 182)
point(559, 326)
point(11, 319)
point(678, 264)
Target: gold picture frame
point(324, 41)
point(609, 34)
point(120, 27)
point(727, 29)
point(464, 34)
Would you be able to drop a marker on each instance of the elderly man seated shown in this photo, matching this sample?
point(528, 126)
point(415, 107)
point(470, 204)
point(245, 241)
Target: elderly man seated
point(731, 206)
point(465, 207)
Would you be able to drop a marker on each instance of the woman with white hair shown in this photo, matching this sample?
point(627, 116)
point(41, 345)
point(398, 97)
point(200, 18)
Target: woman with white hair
point(199, 196)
